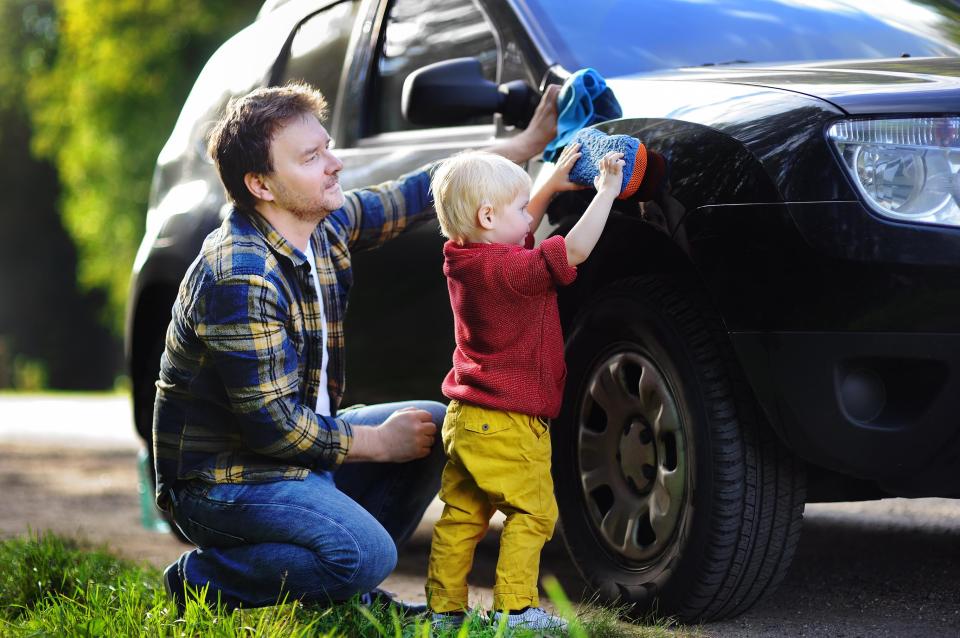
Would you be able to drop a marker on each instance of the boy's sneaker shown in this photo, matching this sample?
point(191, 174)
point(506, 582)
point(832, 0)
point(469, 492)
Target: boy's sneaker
point(452, 620)
point(173, 584)
point(532, 618)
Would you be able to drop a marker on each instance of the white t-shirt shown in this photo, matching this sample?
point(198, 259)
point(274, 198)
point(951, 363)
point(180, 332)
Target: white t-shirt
point(323, 394)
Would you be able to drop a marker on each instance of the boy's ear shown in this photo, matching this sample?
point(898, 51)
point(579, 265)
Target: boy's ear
point(258, 186)
point(486, 217)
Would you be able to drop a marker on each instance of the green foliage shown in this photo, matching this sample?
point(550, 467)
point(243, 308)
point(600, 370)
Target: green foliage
point(29, 39)
point(53, 587)
point(29, 375)
point(94, 89)
point(103, 108)
point(50, 335)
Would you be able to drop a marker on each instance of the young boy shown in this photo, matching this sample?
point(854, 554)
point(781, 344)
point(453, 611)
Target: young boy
point(508, 371)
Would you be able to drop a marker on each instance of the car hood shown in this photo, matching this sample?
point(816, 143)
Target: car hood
point(860, 87)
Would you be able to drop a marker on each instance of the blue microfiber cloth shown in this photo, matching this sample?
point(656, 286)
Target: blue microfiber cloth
point(584, 100)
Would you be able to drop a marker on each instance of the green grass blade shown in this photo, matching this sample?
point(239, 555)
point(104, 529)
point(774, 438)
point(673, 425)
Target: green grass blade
point(559, 599)
point(372, 619)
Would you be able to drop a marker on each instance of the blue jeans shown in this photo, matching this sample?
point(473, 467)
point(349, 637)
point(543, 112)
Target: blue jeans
point(326, 538)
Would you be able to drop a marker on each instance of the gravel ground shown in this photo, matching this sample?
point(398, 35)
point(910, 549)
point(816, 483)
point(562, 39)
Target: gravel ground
point(878, 569)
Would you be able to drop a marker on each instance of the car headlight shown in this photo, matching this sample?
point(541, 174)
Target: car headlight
point(906, 169)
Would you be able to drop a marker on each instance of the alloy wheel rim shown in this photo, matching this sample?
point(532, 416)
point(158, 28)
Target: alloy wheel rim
point(632, 456)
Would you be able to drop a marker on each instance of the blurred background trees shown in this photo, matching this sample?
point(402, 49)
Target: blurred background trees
point(89, 91)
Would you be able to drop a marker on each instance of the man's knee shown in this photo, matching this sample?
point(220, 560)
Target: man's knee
point(379, 562)
point(364, 560)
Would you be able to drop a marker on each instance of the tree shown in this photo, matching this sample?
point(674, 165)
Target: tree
point(102, 111)
point(93, 88)
point(49, 333)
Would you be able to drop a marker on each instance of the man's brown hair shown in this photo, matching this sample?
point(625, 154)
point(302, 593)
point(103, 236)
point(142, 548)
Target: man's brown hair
point(239, 142)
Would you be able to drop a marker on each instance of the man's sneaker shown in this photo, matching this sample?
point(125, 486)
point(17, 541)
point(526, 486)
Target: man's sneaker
point(381, 597)
point(532, 618)
point(173, 584)
point(452, 620)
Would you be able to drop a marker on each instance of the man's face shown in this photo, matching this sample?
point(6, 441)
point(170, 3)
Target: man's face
point(305, 178)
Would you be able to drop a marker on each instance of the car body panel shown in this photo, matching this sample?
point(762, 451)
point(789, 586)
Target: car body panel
point(861, 87)
point(911, 449)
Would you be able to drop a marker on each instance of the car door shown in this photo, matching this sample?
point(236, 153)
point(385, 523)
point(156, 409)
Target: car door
point(399, 326)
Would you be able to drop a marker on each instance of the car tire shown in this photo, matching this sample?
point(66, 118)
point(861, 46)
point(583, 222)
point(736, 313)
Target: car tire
point(146, 395)
point(674, 495)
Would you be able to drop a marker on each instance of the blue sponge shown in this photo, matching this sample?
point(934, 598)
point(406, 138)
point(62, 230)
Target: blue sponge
point(594, 145)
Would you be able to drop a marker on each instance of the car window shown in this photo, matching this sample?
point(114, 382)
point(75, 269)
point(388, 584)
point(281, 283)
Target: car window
point(319, 47)
point(681, 33)
point(421, 32)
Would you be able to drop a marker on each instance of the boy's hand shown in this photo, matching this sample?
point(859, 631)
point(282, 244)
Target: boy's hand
point(610, 178)
point(560, 178)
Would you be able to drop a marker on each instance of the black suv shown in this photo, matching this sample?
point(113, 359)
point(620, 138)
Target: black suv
point(781, 325)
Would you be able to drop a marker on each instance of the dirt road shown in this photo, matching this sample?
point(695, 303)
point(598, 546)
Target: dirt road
point(888, 568)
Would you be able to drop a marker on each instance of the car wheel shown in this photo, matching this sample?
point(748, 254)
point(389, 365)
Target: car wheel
point(673, 493)
point(146, 395)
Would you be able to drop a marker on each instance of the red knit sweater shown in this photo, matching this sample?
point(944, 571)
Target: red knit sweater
point(509, 353)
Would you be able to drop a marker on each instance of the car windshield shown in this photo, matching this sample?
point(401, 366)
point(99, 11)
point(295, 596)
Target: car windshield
point(619, 37)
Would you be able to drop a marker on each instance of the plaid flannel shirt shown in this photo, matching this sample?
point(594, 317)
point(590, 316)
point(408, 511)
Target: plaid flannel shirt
point(240, 372)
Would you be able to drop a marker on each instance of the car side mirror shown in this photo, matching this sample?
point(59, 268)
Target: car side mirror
point(453, 91)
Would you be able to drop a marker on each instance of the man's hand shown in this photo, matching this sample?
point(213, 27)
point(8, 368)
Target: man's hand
point(407, 434)
point(543, 125)
point(532, 140)
point(610, 178)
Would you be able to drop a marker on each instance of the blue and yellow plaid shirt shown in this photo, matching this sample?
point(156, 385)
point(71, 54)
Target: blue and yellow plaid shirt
point(240, 373)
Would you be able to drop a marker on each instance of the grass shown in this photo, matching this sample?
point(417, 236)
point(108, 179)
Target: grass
point(52, 586)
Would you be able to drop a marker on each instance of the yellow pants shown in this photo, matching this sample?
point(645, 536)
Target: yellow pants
point(496, 460)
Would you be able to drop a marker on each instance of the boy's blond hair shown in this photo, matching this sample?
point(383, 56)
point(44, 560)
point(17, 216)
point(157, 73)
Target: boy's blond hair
point(468, 180)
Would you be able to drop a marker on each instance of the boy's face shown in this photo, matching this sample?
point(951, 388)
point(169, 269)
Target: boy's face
point(512, 222)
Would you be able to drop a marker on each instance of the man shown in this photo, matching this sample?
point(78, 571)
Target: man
point(248, 436)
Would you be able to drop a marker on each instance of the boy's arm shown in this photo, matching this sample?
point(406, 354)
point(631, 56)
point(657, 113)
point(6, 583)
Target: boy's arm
point(586, 232)
point(535, 271)
point(558, 181)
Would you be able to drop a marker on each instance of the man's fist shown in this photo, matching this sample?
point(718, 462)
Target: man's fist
point(407, 434)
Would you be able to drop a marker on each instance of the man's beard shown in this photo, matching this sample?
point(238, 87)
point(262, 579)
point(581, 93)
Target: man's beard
point(304, 208)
